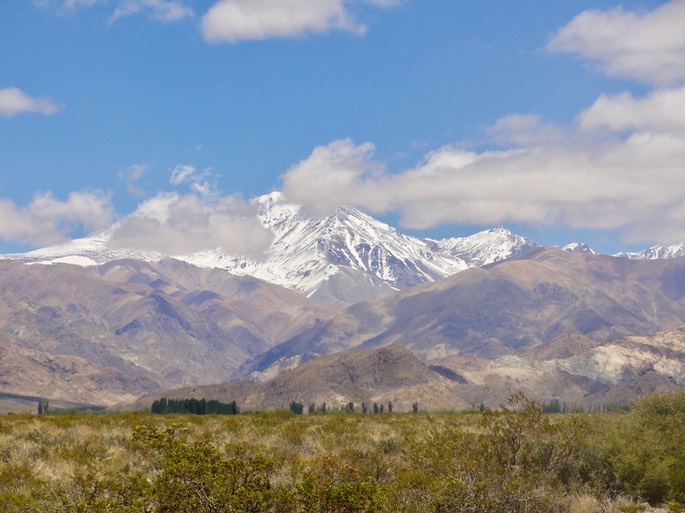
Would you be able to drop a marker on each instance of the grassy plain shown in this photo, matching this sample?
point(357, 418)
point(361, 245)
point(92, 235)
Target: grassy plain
point(514, 460)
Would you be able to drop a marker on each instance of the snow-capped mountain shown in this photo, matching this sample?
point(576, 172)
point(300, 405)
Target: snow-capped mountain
point(92, 250)
point(485, 247)
point(657, 252)
point(345, 257)
point(579, 247)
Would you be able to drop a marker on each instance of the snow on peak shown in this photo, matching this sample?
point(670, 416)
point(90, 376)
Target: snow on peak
point(309, 253)
point(657, 252)
point(486, 247)
point(579, 247)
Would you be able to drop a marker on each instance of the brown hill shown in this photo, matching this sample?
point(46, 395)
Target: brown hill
point(578, 371)
point(547, 305)
point(391, 373)
point(147, 325)
point(571, 369)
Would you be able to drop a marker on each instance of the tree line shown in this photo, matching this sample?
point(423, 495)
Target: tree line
point(298, 407)
point(194, 406)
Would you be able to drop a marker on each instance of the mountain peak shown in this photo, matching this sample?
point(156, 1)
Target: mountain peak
point(342, 258)
point(487, 247)
point(657, 252)
point(579, 247)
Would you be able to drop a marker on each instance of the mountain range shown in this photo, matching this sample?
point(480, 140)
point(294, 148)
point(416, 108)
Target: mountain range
point(339, 259)
point(487, 313)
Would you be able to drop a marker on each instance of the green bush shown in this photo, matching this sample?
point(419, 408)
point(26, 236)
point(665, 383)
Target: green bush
point(196, 477)
point(516, 459)
point(332, 487)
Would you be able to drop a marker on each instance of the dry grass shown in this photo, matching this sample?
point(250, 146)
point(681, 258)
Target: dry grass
point(88, 462)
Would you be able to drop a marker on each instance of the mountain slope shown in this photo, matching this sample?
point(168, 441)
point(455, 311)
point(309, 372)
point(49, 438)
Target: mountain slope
point(570, 368)
point(578, 371)
point(380, 375)
point(149, 325)
point(501, 309)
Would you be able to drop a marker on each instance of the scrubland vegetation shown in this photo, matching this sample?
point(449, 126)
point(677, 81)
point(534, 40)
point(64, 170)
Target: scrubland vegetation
point(512, 460)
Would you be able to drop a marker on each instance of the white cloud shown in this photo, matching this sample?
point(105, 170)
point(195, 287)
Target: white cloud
point(236, 20)
point(174, 224)
point(619, 166)
point(631, 179)
point(181, 173)
point(661, 111)
point(76, 4)
point(131, 175)
point(333, 174)
point(47, 220)
point(648, 46)
point(13, 101)
point(202, 182)
point(167, 11)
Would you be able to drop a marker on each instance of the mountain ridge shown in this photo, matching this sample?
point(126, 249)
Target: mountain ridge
point(338, 259)
point(494, 311)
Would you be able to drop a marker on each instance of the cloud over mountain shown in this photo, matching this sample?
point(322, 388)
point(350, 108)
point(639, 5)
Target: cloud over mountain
point(176, 224)
point(618, 166)
point(48, 220)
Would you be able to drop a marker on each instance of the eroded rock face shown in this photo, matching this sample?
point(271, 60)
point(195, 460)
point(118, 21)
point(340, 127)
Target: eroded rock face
point(110, 333)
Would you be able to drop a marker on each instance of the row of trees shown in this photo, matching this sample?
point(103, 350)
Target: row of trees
point(195, 406)
point(298, 407)
point(203, 407)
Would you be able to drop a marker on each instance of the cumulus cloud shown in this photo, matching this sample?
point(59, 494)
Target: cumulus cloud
point(619, 166)
point(236, 20)
point(48, 220)
point(648, 46)
point(175, 224)
point(14, 101)
point(630, 179)
point(332, 175)
point(661, 111)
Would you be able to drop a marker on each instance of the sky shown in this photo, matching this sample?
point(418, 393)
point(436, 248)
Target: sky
point(562, 121)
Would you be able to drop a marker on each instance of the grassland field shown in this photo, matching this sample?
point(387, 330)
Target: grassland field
point(516, 459)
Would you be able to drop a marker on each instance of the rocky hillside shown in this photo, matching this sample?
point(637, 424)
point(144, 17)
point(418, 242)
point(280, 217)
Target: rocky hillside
point(391, 373)
point(497, 311)
point(109, 333)
point(570, 368)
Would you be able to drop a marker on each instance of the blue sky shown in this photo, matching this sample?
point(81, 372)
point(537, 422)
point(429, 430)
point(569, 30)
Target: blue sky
point(559, 120)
